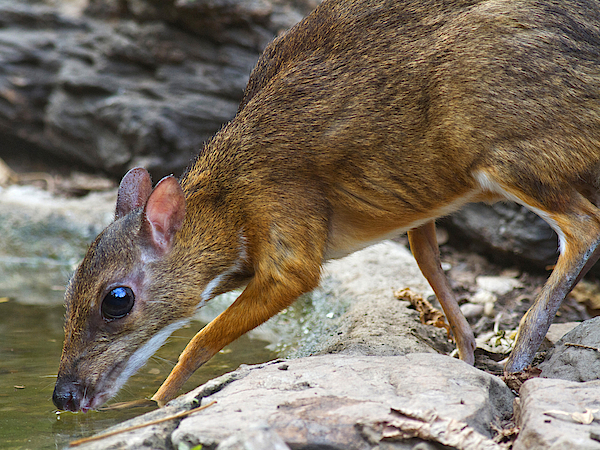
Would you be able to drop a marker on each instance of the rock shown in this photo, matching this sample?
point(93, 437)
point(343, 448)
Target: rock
point(43, 237)
point(558, 330)
point(472, 310)
point(360, 289)
point(485, 299)
point(498, 285)
point(575, 363)
point(256, 438)
point(250, 23)
point(333, 401)
point(113, 94)
point(509, 230)
point(549, 411)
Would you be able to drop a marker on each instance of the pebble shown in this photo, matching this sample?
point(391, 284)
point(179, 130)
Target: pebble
point(498, 285)
point(472, 310)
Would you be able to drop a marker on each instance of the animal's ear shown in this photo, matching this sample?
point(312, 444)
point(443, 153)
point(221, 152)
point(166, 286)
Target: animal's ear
point(134, 190)
point(164, 213)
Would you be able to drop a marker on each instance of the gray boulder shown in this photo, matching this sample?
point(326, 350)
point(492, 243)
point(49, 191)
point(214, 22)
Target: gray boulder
point(326, 402)
point(576, 356)
point(114, 94)
point(557, 415)
point(508, 231)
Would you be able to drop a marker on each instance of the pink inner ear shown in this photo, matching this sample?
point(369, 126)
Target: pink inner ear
point(165, 212)
point(134, 190)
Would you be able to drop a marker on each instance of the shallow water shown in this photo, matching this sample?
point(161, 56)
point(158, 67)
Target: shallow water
point(30, 345)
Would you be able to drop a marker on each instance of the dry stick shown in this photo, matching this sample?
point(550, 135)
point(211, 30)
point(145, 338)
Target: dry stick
point(135, 427)
point(570, 344)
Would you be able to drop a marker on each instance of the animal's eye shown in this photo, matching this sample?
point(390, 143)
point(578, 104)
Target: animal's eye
point(117, 303)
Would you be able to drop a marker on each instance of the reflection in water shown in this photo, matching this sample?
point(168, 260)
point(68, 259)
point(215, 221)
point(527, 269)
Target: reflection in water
point(30, 345)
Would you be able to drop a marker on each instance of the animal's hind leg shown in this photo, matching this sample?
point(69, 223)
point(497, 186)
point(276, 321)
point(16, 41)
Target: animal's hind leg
point(578, 226)
point(424, 246)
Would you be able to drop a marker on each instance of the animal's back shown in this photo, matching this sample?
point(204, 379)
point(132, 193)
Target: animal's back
point(406, 110)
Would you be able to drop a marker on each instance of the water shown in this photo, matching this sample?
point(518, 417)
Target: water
point(30, 346)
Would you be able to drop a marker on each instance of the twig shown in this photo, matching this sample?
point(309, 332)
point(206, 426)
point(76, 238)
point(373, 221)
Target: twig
point(570, 344)
point(136, 427)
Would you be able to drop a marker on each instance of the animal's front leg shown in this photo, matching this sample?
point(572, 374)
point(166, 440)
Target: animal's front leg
point(424, 246)
point(253, 307)
point(288, 266)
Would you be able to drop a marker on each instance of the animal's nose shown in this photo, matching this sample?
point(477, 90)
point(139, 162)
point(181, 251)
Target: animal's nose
point(67, 394)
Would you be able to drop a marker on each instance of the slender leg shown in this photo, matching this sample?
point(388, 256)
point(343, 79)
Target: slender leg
point(423, 244)
point(283, 273)
point(580, 227)
point(249, 310)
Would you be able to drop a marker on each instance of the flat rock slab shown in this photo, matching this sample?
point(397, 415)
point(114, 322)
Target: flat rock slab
point(328, 402)
point(551, 412)
point(576, 356)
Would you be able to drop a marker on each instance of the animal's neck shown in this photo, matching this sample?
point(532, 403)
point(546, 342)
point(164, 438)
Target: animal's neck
point(212, 237)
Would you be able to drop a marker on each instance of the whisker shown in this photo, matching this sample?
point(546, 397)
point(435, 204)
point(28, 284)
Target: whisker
point(164, 360)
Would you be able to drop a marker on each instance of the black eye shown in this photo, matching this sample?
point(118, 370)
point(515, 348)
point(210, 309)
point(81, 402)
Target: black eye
point(117, 303)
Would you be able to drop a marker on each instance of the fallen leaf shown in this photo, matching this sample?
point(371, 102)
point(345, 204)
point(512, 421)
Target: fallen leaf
point(427, 313)
point(515, 380)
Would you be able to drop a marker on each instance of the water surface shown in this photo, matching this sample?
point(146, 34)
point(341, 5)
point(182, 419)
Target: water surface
point(30, 345)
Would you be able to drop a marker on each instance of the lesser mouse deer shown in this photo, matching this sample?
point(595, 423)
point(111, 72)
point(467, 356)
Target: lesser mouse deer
point(367, 119)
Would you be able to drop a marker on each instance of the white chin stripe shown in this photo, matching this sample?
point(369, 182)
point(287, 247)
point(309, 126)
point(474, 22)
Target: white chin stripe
point(142, 354)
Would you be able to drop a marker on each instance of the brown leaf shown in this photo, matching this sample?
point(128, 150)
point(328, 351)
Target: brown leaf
point(427, 313)
point(515, 380)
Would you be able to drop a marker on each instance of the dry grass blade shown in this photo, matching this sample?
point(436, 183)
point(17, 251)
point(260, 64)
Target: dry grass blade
point(142, 403)
point(587, 347)
point(137, 427)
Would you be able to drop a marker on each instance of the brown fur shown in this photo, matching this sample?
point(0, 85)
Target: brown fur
point(368, 118)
